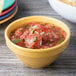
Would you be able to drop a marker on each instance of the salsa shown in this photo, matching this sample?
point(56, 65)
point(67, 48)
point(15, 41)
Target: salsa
point(70, 2)
point(38, 35)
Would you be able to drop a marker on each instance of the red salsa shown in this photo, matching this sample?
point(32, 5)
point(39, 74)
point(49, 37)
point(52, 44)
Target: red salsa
point(38, 35)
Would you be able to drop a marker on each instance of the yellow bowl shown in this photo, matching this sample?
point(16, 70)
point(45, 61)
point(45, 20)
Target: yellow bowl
point(37, 58)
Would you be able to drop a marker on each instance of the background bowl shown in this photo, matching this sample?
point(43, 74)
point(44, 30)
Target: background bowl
point(8, 14)
point(66, 11)
point(37, 58)
point(8, 3)
point(9, 9)
point(9, 17)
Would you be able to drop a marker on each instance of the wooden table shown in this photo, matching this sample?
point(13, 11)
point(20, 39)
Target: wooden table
point(10, 65)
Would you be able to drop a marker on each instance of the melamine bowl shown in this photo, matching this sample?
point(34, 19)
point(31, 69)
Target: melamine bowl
point(66, 11)
point(37, 58)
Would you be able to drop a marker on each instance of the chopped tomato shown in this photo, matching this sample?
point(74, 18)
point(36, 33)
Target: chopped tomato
point(38, 35)
point(19, 31)
point(25, 34)
point(34, 41)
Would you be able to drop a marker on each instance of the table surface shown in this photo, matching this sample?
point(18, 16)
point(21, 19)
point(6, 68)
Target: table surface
point(10, 65)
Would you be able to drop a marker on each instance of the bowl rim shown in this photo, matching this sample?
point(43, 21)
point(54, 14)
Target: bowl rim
point(38, 50)
point(66, 4)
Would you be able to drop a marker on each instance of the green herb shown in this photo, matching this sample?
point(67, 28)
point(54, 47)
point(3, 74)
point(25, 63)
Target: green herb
point(16, 40)
point(50, 42)
point(36, 32)
point(26, 27)
point(54, 38)
point(35, 39)
point(33, 31)
point(60, 41)
point(18, 31)
point(61, 36)
point(53, 26)
point(59, 31)
point(12, 32)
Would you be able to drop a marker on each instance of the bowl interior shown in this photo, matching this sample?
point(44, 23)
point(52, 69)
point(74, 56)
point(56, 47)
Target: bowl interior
point(25, 20)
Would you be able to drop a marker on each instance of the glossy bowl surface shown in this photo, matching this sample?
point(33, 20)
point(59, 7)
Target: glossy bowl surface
point(37, 58)
point(66, 11)
point(8, 14)
point(8, 3)
point(9, 9)
point(9, 17)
